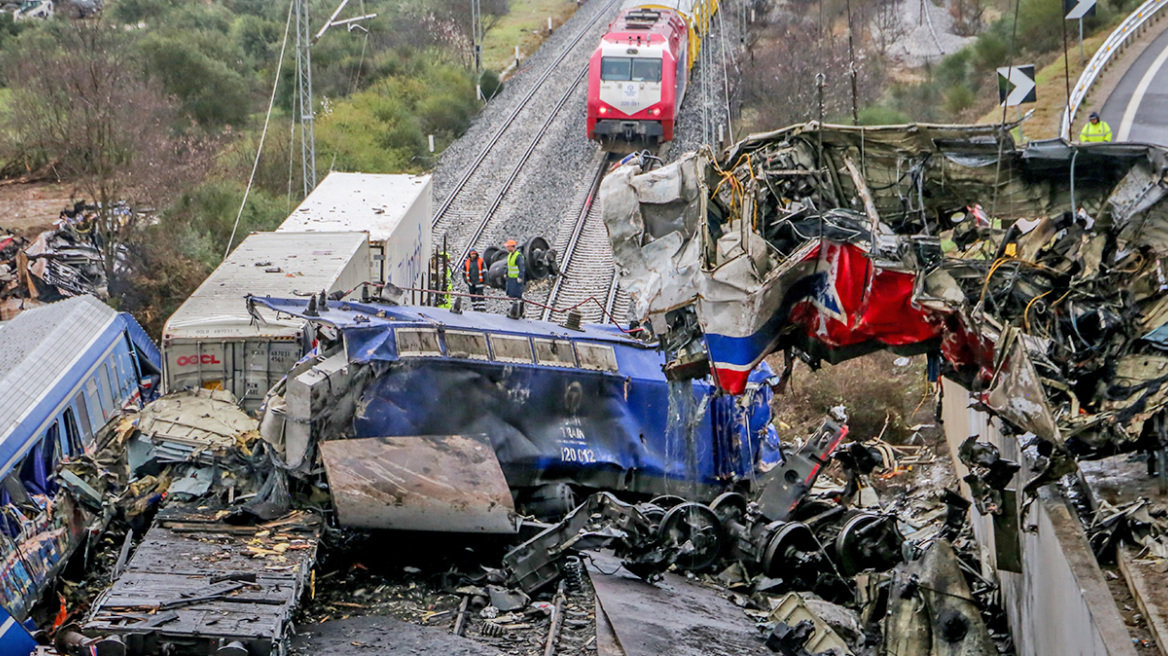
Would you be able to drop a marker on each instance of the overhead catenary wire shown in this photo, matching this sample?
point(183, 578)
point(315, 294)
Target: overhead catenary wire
point(725, 75)
point(360, 62)
point(264, 132)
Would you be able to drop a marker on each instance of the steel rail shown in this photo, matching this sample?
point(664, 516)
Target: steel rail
point(604, 296)
point(518, 168)
point(496, 137)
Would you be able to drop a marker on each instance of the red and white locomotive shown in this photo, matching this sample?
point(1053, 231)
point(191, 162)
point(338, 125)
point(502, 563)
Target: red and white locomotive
point(638, 75)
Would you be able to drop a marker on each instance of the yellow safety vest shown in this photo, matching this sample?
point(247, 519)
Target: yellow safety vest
point(1095, 132)
point(513, 264)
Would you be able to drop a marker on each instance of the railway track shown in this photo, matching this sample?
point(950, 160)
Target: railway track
point(475, 199)
point(589, 281)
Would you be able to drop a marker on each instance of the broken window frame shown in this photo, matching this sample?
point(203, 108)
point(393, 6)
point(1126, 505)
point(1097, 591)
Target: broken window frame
point(558, 347)
point(73, 438)
point(422, 334)
point(497, 340)
point(585, 349)
point(107, 399)
point(92, 405)
point(110, 368)
point(467, 354)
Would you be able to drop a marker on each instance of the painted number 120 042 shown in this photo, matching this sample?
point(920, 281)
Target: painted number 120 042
point(568, 454)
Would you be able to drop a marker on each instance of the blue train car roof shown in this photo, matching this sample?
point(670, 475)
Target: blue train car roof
point(43, 353)
point(351, 315)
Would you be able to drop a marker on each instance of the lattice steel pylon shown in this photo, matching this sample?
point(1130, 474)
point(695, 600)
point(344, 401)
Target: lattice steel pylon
point(304, 103)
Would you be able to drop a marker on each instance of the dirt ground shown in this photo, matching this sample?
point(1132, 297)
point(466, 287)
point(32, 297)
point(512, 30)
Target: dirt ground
point(29, 208)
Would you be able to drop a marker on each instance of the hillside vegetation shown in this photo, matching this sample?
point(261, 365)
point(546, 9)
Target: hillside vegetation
point(161, 103)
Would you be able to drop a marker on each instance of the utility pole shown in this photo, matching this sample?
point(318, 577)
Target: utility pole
point(304, 87)
point(852, 66)
point(476, 19)
point(304, 43)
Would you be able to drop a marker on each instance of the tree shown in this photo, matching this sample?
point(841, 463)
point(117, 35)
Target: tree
point(779, 84)
point(103, 124)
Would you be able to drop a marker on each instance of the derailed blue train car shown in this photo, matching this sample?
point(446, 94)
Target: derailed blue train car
point(589, 407)
point(67, 370)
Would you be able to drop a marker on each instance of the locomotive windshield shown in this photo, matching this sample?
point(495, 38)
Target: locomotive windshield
point(630, 69)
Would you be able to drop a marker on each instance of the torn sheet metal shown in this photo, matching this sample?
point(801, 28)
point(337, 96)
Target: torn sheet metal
point(59, 263)
point(430, 483)
point(792, 610)
point(197, 425)
point(675, 616)
point(1015, 393)
point(931, 610)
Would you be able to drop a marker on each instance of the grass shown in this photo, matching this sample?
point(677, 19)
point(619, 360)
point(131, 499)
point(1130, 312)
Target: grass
point(1052, 88)
point(524, 25)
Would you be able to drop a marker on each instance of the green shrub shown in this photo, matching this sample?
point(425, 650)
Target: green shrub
point(202, 219)
point(211, 93)
point(990, 52)
point(958, 98)
point(954, 69)
point(881, 115)
point(1040, 26)
point(384, 128)
point(490, 84)
point(135, 11)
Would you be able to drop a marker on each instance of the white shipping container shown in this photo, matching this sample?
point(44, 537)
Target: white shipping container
point(396, 211)
point(212, 341)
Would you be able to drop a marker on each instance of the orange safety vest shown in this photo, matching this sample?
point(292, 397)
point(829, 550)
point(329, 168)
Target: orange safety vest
point(478, 268)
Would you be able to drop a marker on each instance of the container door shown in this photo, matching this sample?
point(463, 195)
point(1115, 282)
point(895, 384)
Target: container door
point(265, 363)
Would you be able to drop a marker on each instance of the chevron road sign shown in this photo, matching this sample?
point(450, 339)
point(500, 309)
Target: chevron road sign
point(1078, 9)
point(1016, 85)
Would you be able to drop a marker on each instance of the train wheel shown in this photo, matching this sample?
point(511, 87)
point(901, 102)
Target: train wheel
point(696, 532)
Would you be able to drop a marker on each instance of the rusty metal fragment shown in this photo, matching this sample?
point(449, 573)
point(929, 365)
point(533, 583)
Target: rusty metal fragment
point(449, 483)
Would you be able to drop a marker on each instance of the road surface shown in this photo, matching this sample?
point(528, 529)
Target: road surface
point(1138, 107)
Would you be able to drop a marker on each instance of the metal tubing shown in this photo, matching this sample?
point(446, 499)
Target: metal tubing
point(549, 648)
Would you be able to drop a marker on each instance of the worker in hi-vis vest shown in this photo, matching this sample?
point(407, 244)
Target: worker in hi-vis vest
point(1096, 130)
point(516, 268)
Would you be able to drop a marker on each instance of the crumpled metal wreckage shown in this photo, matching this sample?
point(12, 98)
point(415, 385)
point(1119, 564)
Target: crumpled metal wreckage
point(58, 263)
point(912, 587)
point(1038, 273)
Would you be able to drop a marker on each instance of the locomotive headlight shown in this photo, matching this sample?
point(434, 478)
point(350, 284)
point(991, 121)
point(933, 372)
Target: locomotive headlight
point(602, 110)
point(656, 111)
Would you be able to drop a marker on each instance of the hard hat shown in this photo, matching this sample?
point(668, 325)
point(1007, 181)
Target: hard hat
point(511, 242)
point(473, 252)
point(1094, 115)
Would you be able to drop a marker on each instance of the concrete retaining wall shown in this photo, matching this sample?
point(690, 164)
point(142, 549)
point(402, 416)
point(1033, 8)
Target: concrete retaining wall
point(1059, 602)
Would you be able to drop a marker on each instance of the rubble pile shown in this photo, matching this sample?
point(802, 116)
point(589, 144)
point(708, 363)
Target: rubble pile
point(59, 263)
point(1035, 273)
point(214, 557)
point(800, 570)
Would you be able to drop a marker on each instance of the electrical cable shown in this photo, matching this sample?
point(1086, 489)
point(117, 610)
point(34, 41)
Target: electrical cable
point(264, 133)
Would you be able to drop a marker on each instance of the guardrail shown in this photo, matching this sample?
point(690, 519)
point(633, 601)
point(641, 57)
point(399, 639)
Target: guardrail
point(1116, 42)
